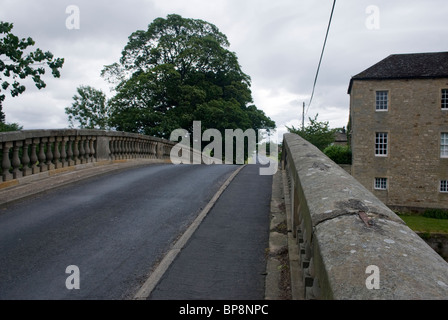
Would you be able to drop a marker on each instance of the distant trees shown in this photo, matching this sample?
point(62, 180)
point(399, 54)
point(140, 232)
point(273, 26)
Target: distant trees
point(316, 132)
point(319, 134)
point(89, 109)
point(5, 127)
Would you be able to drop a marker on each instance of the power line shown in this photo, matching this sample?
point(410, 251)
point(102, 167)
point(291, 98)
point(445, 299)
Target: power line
point(321, 56)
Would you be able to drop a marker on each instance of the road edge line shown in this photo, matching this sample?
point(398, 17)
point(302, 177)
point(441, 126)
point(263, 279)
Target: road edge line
point(146, 289)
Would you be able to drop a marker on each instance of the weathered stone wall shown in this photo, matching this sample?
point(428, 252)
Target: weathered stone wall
point(437, 241)
point(414, 123)
point(343, 230)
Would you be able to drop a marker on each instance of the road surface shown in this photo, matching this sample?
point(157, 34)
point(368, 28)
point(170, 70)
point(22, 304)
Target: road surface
point(113, 229)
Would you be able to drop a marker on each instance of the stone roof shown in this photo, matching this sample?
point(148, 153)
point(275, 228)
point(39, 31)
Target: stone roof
point(407, 66)
point(340, 137)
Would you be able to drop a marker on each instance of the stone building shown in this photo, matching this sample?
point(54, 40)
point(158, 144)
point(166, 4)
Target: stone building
point(399, 129)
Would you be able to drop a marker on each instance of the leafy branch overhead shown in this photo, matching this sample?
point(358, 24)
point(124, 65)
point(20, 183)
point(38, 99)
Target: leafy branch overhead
point(18, 63)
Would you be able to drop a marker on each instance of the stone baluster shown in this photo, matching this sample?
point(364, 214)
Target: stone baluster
point(64, 161)
point(43, 167)
point(143, 152)
point(155, 146)
point(92, 149)
point(162, 151)
point(82, 151)
point(120, 149)
point(16, 173)
point(146, 148)
point(118, 152)
point(123, 148)
point(167, 151)
point(132, 148)
point(87, 149)
point(26, 170)
point(49, 153)
point(112, 148)
point(164, 148)
point(140, 148)
point(70, 152)
point(159, 150)
point(57, 153)
point(151, 149)
point(6, 163)
point(76, 159)
point(34, 159)
point(117, 144)
point(136, 151)
point(126, 148)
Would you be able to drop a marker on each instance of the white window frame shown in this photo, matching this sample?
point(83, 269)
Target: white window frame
point(444, 99)
point(444, 145)
point(382, 101)
point(381, 184)
point(381, 144)
point(443, 188)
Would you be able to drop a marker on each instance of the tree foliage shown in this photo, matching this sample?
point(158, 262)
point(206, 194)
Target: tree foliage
point(6, 127)
point(316, 132)
point(339, 154)
point(178, 71)
point(89, 109)
point(16, 62)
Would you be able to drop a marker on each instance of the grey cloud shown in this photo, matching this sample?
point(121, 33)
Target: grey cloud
point(278, 44)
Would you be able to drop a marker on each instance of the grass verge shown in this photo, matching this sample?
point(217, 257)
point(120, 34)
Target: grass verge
point(424, 224)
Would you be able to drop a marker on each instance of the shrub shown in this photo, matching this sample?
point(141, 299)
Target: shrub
point(339, 154)
point(436, 213)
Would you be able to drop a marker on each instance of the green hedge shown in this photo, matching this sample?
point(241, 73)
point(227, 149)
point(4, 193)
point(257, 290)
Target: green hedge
point(339, 154)
point(436, 213)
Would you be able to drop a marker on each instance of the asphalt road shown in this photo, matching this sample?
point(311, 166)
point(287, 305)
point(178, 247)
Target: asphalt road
point(113, 228)
point(225, 259)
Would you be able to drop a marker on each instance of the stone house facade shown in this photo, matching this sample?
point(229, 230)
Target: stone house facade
point(399, 130)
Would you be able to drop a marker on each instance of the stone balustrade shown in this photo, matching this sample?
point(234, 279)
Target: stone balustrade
point(352, 246)
point(28, 152)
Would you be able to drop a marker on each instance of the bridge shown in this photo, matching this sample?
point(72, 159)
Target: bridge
point(109, 208)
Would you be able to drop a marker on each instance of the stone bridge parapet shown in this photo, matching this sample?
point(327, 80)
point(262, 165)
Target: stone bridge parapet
point(352, 246)
point(30, 152)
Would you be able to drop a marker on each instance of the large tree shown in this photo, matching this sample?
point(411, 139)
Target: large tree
point(178, 71)
point(18, 62)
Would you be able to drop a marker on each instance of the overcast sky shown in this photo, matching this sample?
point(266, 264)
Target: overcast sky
point(278, 44)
